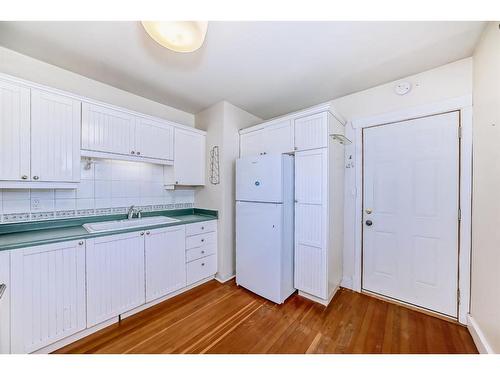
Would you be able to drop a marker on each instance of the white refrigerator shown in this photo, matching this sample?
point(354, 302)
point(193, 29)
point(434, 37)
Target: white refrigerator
point(264, 225)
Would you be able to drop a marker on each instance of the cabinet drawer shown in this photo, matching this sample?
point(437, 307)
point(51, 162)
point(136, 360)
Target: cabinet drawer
point(199, 269)
point(200, 252)
point(199, 228)
point(200, 240)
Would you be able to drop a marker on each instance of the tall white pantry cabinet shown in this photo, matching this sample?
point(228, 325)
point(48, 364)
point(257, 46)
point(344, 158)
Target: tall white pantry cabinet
point(319, 192)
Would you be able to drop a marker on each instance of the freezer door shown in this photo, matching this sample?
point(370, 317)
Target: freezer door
point(258, 248)
point(259, 178)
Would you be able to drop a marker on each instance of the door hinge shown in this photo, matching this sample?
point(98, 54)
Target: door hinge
point(459, 214)
point(458, 296)
point(459, 132)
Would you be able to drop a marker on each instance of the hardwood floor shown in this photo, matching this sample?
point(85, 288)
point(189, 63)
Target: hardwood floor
point(223, 318)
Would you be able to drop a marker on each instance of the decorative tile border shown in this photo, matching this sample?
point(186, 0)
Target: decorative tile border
point(66, 214)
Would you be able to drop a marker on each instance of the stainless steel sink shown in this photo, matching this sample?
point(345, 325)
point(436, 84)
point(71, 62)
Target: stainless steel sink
point(108, 226)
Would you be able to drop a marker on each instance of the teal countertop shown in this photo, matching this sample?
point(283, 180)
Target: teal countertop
point(18, 235)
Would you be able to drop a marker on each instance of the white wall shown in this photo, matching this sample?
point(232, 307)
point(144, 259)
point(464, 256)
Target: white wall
point(222, 122)
point(22, 66)
point(485, 295)
point(445, 82)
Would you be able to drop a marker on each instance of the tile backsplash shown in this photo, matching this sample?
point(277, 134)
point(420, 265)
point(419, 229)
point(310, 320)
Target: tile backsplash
point(108, 187)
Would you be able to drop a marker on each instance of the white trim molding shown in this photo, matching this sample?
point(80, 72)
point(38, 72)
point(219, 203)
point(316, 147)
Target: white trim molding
point(225, 279)
point(478, 336)
point(464, 105)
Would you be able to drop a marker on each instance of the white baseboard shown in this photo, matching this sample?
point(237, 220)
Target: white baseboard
point(324, 302)
point(478, 336)
point(224, 280)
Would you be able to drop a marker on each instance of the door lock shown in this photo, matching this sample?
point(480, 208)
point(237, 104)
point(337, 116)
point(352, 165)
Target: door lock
point(369, 223)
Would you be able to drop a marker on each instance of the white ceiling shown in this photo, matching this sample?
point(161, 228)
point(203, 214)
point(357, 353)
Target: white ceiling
point(267, 68)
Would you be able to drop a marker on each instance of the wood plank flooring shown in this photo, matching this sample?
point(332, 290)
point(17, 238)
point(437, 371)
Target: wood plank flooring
point(223, 318)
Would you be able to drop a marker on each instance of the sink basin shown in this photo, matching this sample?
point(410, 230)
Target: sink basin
point(107, 226)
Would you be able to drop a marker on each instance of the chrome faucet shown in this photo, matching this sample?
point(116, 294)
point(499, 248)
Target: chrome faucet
point(131, 212)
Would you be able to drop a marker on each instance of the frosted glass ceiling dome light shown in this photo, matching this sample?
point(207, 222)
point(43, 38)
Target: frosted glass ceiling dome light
point(179, 36)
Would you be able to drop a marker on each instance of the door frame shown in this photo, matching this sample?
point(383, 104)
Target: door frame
point(462, 104)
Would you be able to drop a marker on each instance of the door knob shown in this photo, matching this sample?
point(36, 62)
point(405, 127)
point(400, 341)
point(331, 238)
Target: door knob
point(368, 222)
point(368, 211)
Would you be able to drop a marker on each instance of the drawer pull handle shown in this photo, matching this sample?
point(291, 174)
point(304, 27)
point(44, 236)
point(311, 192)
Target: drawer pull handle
point(2, 290)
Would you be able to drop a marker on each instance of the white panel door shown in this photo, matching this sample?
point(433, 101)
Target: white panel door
point(55, 137)
point(115, 275)
point(14, 132)
point(311, 176)
point(189, 157)
point(165, 261)
point(5, 287)
point(47, 294)
point(253, 143)
point(279, 138)
point(311, 132)
point(411, 192)
point(154, 139)
point(107, 130)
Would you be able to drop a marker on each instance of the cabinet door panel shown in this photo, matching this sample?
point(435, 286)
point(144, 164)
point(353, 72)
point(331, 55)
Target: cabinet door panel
point(5, 287)
point(279, 138)
point(55, 137)
point(107, 130)
point(14, 132)
point(48, 294)
point(154, 139)
point(165, 261)
point(253, 143)
point(311, 221)
point(115, 276)
point(189, 158)
point(311, 132)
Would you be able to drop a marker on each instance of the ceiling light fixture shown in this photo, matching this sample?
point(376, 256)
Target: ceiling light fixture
point(179, 36)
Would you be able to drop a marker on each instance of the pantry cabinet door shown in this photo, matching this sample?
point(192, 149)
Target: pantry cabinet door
point(14, 132)
point(115, 275)
point(154, 139)
point(311, 132)
point(47, 294)
point(189, 158)
point(279, 137)
point(107, 130)
point(55, 137)
point(253, 143)
point(5, 287)
point(165, 261)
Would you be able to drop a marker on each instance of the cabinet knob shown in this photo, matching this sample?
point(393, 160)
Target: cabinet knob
point(24, 177)
point(2, 290)
point(295, 148)
point(202, 240)
point(138, 152)
point(203, 251)
point(132, 152)
point(142, 233)
point(35, 177)
point(202, 228)
point(203, 264)
point(148, 233)
point(177, 182)
point(80, 243)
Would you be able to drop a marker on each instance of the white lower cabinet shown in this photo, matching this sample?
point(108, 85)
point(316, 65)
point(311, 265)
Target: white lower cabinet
point(5, 302)
point(115, 275)
point(47, 294)
point(165, 270)
point(201, 251)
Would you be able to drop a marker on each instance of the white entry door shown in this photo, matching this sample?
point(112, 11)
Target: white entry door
point(410, 211)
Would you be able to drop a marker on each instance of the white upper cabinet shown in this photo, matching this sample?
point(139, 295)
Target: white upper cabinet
point(189, 159)
point(311, 132)
point(165, 261)
point(14, 132)
point(154, 139)
point(253, 143)
point(279, 138)
point(276, 138)
point(55, 137)
point(107, 130)
point(47, 294)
